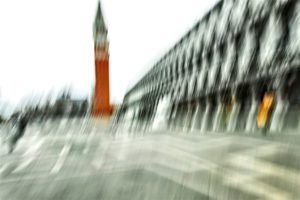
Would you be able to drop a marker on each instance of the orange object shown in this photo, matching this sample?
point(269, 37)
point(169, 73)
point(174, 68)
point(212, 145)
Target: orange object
point(101, 96)
point(264, 110)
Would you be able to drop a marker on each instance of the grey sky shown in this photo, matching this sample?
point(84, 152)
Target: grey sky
point(47, 45)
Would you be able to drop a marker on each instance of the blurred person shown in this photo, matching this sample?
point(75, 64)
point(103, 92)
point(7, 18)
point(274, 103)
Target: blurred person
point(18, 132)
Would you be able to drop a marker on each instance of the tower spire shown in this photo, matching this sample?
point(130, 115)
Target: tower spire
point(99, 24)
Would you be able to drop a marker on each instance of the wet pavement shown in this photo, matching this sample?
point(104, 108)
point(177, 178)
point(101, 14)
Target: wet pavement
point(79, 160)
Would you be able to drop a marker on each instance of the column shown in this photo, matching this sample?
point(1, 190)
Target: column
point(251, 119)
point(233, 117)
point(195, 120)
point(169, 116)
point(154, 114)
point(174, 117)
point(187, 118)
point(178, 118)
point(135, 121)
point(129, 116)
point(205, 116)
point(216, 120)
point(149, 117)
point(146, 119)
point(131, 122)
point(279, 112)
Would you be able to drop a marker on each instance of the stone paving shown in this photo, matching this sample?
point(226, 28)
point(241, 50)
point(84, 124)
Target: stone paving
point(76, 160)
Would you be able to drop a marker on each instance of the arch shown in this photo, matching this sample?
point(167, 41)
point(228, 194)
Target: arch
point(214, 67)
point(293, 46)
point(270, 41)
point(210, 29)
point(205, 82)
point(185, 92)
point(191, 85)
point(246, 52)
point(259, 8)
point(183, 64)
point(191, 61)
point(195, 94)
point(239, 11)
point(201, 76)
point(223, 24)
point(228, 60)
point(198, 59)
point(218, 77)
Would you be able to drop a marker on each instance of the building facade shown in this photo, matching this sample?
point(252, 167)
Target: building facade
point(101, 101)
point(237, 69)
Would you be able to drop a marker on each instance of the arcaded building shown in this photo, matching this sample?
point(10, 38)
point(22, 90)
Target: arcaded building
point(237, 69)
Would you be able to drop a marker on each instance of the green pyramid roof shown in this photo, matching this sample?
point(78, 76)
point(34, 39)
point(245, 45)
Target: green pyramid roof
point(99, 21)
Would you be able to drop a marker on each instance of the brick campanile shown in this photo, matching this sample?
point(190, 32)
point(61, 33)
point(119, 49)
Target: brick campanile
point(101, 101)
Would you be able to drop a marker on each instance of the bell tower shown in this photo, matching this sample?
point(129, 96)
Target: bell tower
point(101, 101)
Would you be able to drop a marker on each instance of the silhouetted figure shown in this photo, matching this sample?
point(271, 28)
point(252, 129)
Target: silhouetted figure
point(20, 128)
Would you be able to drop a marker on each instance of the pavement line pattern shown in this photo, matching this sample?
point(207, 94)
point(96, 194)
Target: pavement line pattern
point(257, 168)
point(34, 148)
point(247, 160)
point(3, 168)
point(61, 159)
point(265, 190)
point(89, 139)
point(24, 165)
point(265, 168)
point(179, 178)
point(32, 152)
point(222, 167)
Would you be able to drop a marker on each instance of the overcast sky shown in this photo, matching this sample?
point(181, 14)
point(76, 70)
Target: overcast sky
point(46, 45)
